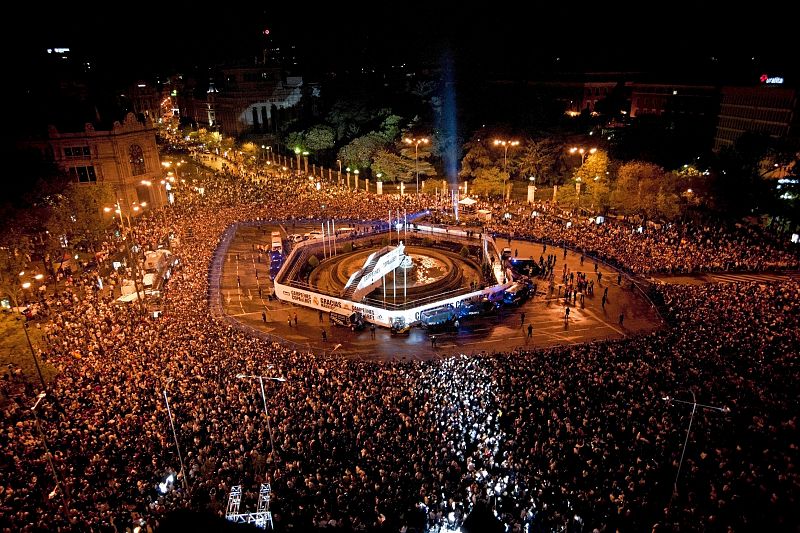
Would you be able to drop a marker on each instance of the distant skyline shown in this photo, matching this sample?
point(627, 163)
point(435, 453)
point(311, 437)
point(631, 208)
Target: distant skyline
point(503, 39)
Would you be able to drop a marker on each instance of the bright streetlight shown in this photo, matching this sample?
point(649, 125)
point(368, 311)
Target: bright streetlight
point(506, 144)
point(584, 153)
point(297, 152)
point(264, 399)
point(694, 405)
point(416, 142)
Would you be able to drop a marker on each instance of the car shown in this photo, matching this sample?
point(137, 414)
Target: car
point(316, 234)
point(296, 237)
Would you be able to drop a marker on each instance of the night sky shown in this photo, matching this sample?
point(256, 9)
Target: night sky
point(140, 39)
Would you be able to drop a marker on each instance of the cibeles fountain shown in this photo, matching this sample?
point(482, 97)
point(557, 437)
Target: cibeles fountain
point(394, 282)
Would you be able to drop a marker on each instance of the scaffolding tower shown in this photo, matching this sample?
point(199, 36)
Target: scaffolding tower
point(261, 518)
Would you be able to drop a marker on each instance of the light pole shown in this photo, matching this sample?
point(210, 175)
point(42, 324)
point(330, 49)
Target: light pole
point(297, 152)
point(133, 259)
point(348, 176)
point(59, 487)
point(694, 405)
point(416, 142)
point(149, 184)
point(264, 399)
point(33, 354)
point(175, 436)
point(339, 161)
point(584, 153)
point(506, 144)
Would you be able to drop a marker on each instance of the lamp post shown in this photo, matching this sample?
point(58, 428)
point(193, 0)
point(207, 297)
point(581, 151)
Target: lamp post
point(297, 152)
point(33, 354)
point(506, 144)
point(149, 183)
point(584, 153)
point(175, 436)
point(348, 176)
point(355, 174)
point(694, 405)
point(59, 487)
point(339, 162)
point(133, 259)
point(264, 399)
point(416, 142)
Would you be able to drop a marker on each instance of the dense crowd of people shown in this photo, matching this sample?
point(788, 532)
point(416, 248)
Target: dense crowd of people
point(576, 438)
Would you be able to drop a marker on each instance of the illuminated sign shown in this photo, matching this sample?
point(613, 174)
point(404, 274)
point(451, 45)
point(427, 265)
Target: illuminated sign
point(771, 80)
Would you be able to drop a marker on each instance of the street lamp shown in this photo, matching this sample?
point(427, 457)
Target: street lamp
point(133, 259)
point(297, 152)
point(506, 144)
point(416, 142)
point(583, 152)
point(149, 183)
point(355, 178)
point(348, 176)
point(175, 436)
point(694, 405)
point(305, 161)
point(59, 487)
point(264, 399)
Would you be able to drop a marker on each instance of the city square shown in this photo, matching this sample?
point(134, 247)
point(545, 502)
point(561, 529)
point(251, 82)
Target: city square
point(299, 284)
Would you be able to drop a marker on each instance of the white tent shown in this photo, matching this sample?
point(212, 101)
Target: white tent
point(467, 202)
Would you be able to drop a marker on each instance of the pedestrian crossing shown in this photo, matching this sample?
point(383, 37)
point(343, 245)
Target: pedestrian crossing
point(757, 277)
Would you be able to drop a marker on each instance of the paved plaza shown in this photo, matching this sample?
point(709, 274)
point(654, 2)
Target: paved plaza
point(246, 287)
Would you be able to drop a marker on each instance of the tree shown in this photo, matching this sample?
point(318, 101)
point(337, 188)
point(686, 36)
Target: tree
point(360, 151)
point(320, 137)
point(567, 196)
point(348, 117)
point(596, 165)
point(15, 257)
point(390, 127)
point(77, 219)
point(295, 140)
point(392, 167)
point(431, 186)
point(477, 156)
point(539, 159)
point(637, 187)
point(489, 181)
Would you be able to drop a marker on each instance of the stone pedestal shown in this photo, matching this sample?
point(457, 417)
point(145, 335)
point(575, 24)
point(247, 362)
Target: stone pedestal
point(531, 193)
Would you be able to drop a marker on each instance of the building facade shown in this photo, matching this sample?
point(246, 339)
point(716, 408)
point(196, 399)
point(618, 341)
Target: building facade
point(247, 100)
point(765, 109)
point(125, 157)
